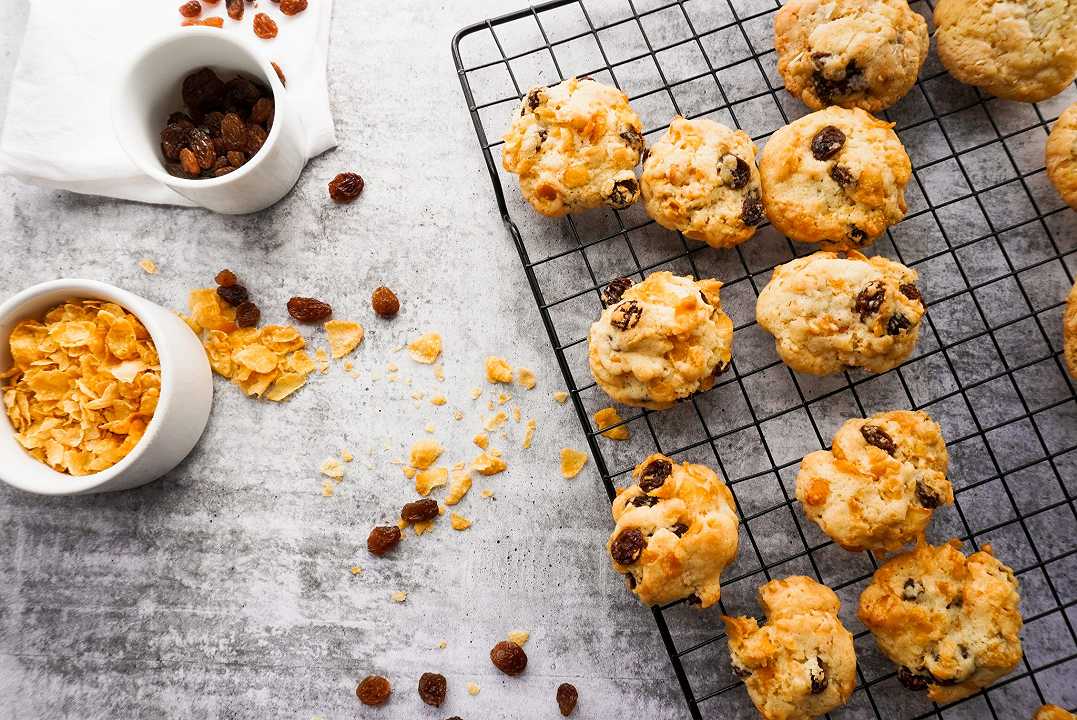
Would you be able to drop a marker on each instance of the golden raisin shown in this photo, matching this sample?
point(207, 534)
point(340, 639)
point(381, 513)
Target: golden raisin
point(207, 22)
point(385, 302)
point(265, 27)
point(280, 74)
point(373, 690)
point(293, 7)
point(508, 657)
point(235, 9)
point(309, 310)
point(190, 9)
point(189, 162)
point(345, 187)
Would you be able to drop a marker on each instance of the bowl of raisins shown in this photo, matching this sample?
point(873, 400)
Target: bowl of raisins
point(203, 114)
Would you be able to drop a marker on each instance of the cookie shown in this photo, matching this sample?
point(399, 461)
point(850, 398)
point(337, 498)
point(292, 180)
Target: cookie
point(835, 177)
point(1069, 332)
point(830, 311)
point(1053, 712)
point(852, 53)
point(574, 147)
point(801, 663)
point(1060, 155)
point(951, 623)
point(1023, 51)
point(700, 178)
point(661, 340)
point(676, 531)
point(877, 486)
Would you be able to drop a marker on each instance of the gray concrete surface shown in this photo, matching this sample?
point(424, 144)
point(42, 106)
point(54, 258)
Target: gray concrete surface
point(224, 589)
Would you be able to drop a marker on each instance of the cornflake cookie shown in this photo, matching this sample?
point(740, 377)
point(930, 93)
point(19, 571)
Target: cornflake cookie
point(835, 177)
point(1024, 51)
point(830, 311)
point(879, 484)
point(852, 53)
point(801, 663)
point(701, 179)
point(83, 385)
point(574, 146)
point(951, 623)
point(676, 531)
point(1061, 155)
point(1069, 333)
point(1053, 712)
point(661, 340)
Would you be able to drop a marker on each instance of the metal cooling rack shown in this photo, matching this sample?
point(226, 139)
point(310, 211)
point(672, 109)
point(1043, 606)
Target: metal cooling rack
point(996, 251)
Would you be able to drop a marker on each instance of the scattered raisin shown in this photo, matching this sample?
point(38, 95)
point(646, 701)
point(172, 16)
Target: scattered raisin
point(293, 7)
point(508, 657)
point(235, 9)
point(385, 302)
point(567, 696)
point(420, 510)
point(655, 474)
point(897, 324)
point(679, 529)
point(190, 9)
point(741, 173)
point(432, 687)
point(226, 278)
point(309, 310)
point(911, 680)
point(374, 689)
point(613, 292)
point(202, 89)
point(265, 27)
point(875, 435)
point(628, 546)
point(644, 501)
point(233, 132)
point(261, 111)
point(382, 539)
point(912, 590)
point(819, 679)
point(827, 142)
point(626, 315)
point(912, 292)
point(345, 187)
point(234, 295)
point(869, 300)
point(248, 315)
point(188, 162)
point(633, 140)
point(841, 175)
point(624, 193)
point(751, 209)
point(927, 496)
point(280, 74)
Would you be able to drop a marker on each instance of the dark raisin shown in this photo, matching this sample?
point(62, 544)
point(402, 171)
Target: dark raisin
point(235, 9)
point(741, 672)
point(928, 497)
point(293, 7)
point(508, 657)
point(630, 581)
point(646, 154)
point(897, 324)
point(613, 292)
point(256, 138)
point(227, 278)
point(373, 690)
point(173, 139)
point(345, 187)
point(203, 148)
point(420, 510)
point(280, 74)
point(875, 435)
point(827, 143)
point(190, 9)
point(624, 193)
point(309, 310)
point(720, 368)
point(236, 158)
point(751, 209)
point(628, 546)
point(261, 111)
point(189, 162)
point(693, 600)
point(567, 696)
point(828, 90)
point(912, 292)
point(385, 302)
point(819, 679)
point(957, 602)
point(182, 119)
point(869, 300)
point(912, 590)
point(248, 315)
point(432, 687)
point(265, 27)
point(176, 170)
point(911, 680)
point(644, 501)
point(534, 98)
point(233, 132)
point(542, 137)
point(679, 529)
point(633, 140)
point(212, 122)
point(382, 539)
point(840, 175)
point(626, 315)
point(241, 94)
point(740, 171)
point(202, 90)
point(234, 295)
point(857, 236)
point(655, 474)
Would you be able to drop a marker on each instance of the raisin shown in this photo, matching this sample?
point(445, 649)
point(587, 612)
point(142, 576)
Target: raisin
point(751, 209)
point(242, 93)
point(223, 170)
point(374, 689)
point(927, 496)
point(897, 324)
point(432, 687)
point(212, 122)
point(248, 314)
point(869, 300)
point(234, 295)
point(624, 193)
point(644, 501)
point(534, 98)
point(309, 310)
point(827, 142)
point(420, 510)
point(740, 671)
point(857, 236)
point(826, 89)
point(202, 90)
point(819, 679)
point(188, 162)
point(345, 187)
point(385, 302)
point(261, 111)
point(173, 139)
point(182, 119)
point(207, 22)
point(190, 9)
point(233, 132)
point(626, 315)
point(720, 368)
point(176, 170)
point(912, 590)
point(912, 292)
point(567, 696)
point(633, 140)
point(911, 680)
point(222, 162)
point(265, 27)
point(293, 7)
point(508, 657)
point(256, 138)
point(236, 158)
point(382, 539)
point(235, 9)
point(628, 546)
point(741, 173)
point(875, 435)
point(655, 474)
point(841, 175)
point(226, 278)
point(613, 292)
point(679, 529)
point(280, 74)
point(202, 147)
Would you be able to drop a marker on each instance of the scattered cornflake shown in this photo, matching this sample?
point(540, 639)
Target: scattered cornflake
point(392, 368)
point(459, 522)
point(442, 645)
point(529, 432)
point(516, 414)
point(147, 265)
point(572, 461)
point(346, 456)
point(457, 415)
point(606, 418)
point(438, 399)
point(427, 480)
point(425, 453)
point(418, 395)
point(344, 336)
point(476, 393)
point(526, 378)
point(560, 396)
point(356, 570)
point(421, 528)
point(349, 366)
point(490, 405)
point(520, 637)
point(461, 483)
point(426, 348)
point(487, 493)
point(430, 428)
point(482, 440)
point(488, 463)
point(409, 472)
point(332, 468)
point(327, 488)
point(321, 359)
point(495, 421)
point(399, 596)
point(498, 370)
point(439, 372)
point(473, 688)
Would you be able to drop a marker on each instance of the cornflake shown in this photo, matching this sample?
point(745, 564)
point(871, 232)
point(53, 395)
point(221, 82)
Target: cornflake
point(482, 440)
point(426, 348)
point(344, 336)
point(487, 463)
point(560, 396)
point(461, 483)
point(526, 378)
point(459, 522)
point(356, 570)
point(498, 370)
point(425, 453)
point(476, 393)
point(148, 266)
point(495, 421)
point(427, 480)
point(399, 596)
point(606, 417)
point(487, 493)
point(473, 688)
point(83, 385)
point(529, 432)
point(438, 400)
point(572, 461)
point(520, 637)
point(332, 468)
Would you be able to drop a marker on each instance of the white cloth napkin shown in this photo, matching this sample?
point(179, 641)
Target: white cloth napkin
point(58, 130)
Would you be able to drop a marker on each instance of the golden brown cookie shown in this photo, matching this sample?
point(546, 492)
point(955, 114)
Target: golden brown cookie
point(1053, 712)
point(1069, 332)
point(1060, 154)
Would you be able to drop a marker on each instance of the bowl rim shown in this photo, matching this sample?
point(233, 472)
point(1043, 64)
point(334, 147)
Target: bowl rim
point(156, 170)
point(53, 482)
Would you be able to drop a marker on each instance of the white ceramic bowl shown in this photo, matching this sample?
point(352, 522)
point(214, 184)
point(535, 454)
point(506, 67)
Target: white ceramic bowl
point(150, 92)
point(178, 422)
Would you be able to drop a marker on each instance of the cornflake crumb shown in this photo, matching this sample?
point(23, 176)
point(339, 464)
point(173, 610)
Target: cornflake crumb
point(529, 432)
point(399, 596)
point(459, 522)
point(438, 400)
point(476, 393)
point(409, 472)
point(607, 417)
point(503, 398)
point(526, 378)
point(349, 365)
point(442, 645)
point(488, 463)
point(457, 415)
point(425, 453)
point(473, 688)
point(439, 372)
point(332, 468)
point(482, 440)
point(520, 637)
point(148, 266)
point(459, 486)
point(427, 480)
point(344, 336)
point(421, 528)
point(425, 349)
point(327, 488)
point(516, 414)
point(487, 493)
point(430, 428)
point(346, 456)
point(495, 421)
point(356, 570)
point(572, 461)
point(560, 396)
point(321, 360)
point(392, 368)
point(498, 370)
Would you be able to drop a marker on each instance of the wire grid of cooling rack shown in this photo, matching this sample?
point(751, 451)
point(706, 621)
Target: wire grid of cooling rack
point(996, 251)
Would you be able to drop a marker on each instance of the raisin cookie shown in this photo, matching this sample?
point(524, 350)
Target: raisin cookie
point(661, 340)
point(1069, 333)
point(701, 179)
point(801, 663)
point(951, 623)
point(1053, 712)
point(876, 488)
point(1024, 51)
point(829, 311)
point(835, 177)
point(574, 146)
point(676, 531)
point(852, 53)
point(1061, 155)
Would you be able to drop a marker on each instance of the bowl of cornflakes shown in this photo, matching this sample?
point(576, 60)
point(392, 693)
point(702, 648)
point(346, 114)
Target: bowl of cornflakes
point(102, 389)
